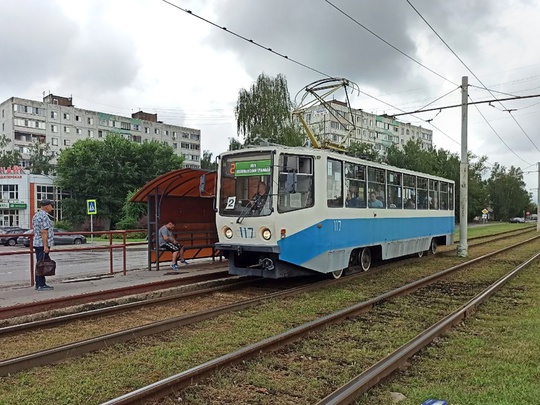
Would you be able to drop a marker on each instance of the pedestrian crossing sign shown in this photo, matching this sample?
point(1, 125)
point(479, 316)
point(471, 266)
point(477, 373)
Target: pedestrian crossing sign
point(91, 207)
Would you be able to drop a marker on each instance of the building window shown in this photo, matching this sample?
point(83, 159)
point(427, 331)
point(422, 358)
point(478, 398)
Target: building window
point(125, 125)
point(100, 134)
point(156, 131)
point(90, 133)
point(9, 218)
point(54, 141)
point(90, 121)
point(54, 115)
point(78, 131)
point(78, 118)
point(54, 128)
point(146, 130)
point(66, 130)
point(67, 142)
point(10, 191)
point(66, 116)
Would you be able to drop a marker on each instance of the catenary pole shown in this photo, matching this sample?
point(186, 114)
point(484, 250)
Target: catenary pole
point(538, 202)
point(462, 250)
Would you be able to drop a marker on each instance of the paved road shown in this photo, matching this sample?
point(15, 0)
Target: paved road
point(15, 269)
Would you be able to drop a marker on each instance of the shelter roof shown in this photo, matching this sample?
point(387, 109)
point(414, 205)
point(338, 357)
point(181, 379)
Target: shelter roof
point(179, 183)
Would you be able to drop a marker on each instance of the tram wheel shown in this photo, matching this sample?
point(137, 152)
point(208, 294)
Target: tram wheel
point(365, 259)
point(433, 247)
point(421, 253)
point(337, 274)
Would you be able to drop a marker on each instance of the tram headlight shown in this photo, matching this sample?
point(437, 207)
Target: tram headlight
point(228, 233)
point(266, 234)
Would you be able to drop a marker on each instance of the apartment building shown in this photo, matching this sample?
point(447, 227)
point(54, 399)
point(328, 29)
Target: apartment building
point(381, 131)
point(56, 121)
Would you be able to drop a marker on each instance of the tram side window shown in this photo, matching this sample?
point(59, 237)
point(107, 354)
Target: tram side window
point(422, 193)
point(409, 196)
point(355, 182)
point(376, 187)
point(433, 194)
point(451, 197)
point(393, 196)
point(295, 183)
point(443, 204)
point(334, 186)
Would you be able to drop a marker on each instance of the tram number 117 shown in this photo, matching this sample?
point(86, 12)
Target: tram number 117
point(246, 232)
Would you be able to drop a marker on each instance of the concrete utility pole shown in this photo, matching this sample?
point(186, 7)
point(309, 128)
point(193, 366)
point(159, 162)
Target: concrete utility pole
point(462, 250)
point(538, 202)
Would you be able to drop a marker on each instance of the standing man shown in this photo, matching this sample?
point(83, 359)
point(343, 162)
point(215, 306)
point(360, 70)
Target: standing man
point(43, 238)
point(167, 242)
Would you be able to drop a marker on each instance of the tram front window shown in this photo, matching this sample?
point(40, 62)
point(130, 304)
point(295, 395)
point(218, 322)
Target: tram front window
point(246, 186)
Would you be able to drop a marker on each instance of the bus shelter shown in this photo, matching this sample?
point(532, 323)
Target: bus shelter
point(186, 197)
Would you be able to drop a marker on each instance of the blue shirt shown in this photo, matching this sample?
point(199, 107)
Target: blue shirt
point(40, 222)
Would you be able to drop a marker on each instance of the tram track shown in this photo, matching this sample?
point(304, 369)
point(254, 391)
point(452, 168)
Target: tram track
point(185, 379)
point(92, 297)
point(194, 319)
point(46, 356)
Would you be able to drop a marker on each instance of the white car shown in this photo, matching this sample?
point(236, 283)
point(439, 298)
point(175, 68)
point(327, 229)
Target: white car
point(517, 220)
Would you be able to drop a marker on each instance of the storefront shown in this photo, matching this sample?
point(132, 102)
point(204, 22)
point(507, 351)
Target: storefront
point(20, 193)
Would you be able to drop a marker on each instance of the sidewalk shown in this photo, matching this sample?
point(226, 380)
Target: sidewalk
point(17, 294)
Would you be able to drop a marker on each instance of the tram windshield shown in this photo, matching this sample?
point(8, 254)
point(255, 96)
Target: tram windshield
point(246, 185)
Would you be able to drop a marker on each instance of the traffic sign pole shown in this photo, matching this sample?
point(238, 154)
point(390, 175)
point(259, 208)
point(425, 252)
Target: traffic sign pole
point(91, 209)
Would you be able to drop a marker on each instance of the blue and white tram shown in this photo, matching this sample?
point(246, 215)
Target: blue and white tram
point(285, 212)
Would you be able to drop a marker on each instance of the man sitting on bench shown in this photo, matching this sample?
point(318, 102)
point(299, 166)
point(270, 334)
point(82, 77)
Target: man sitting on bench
point(167, 242)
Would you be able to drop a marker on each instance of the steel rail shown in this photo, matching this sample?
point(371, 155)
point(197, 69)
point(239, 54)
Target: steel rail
point(347, 393)
point(71, 300)
point(62, 319)
point(186, 378)
point(24, 362)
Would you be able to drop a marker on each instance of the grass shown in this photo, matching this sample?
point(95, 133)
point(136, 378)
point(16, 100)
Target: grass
point(339, 351)
point(491, 229)
point(492, 358)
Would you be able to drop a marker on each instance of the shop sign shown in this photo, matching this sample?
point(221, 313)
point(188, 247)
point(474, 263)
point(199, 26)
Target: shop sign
point(13, 205)
point(12, 172)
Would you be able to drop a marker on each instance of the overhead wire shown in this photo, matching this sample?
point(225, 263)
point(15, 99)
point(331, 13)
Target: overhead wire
point(316, 70)
point(388, 43)
point(480, 81)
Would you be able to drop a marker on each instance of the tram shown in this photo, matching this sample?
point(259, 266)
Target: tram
point(292, 211)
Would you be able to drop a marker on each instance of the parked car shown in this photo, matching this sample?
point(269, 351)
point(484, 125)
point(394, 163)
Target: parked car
point(11, 240)
point(74, 239)
point(517, 220)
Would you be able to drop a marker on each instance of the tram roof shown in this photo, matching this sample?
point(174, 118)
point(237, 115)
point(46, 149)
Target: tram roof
point(336, 154)
point(178, 183)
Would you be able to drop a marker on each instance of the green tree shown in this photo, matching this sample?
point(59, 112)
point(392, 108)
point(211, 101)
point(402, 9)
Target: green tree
point(8, 157)
point(107, 171)
point(41, 158)
point(207, 162)
point(364, 151)
point(507, 192)
point(263, 113)
point(443, 163)
point(132, 213)
point(235, 144)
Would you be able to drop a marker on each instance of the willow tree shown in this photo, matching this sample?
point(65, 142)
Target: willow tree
point(263, 113)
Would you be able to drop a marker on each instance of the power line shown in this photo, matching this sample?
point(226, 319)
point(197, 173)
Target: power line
point(476, 77)
point(388, 43)
point(470, 103)
point(247, 39)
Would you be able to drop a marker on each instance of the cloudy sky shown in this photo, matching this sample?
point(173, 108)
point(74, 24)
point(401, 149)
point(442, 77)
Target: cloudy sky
point(120, 56)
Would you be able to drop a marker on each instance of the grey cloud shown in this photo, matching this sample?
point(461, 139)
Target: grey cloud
point(42, 45)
